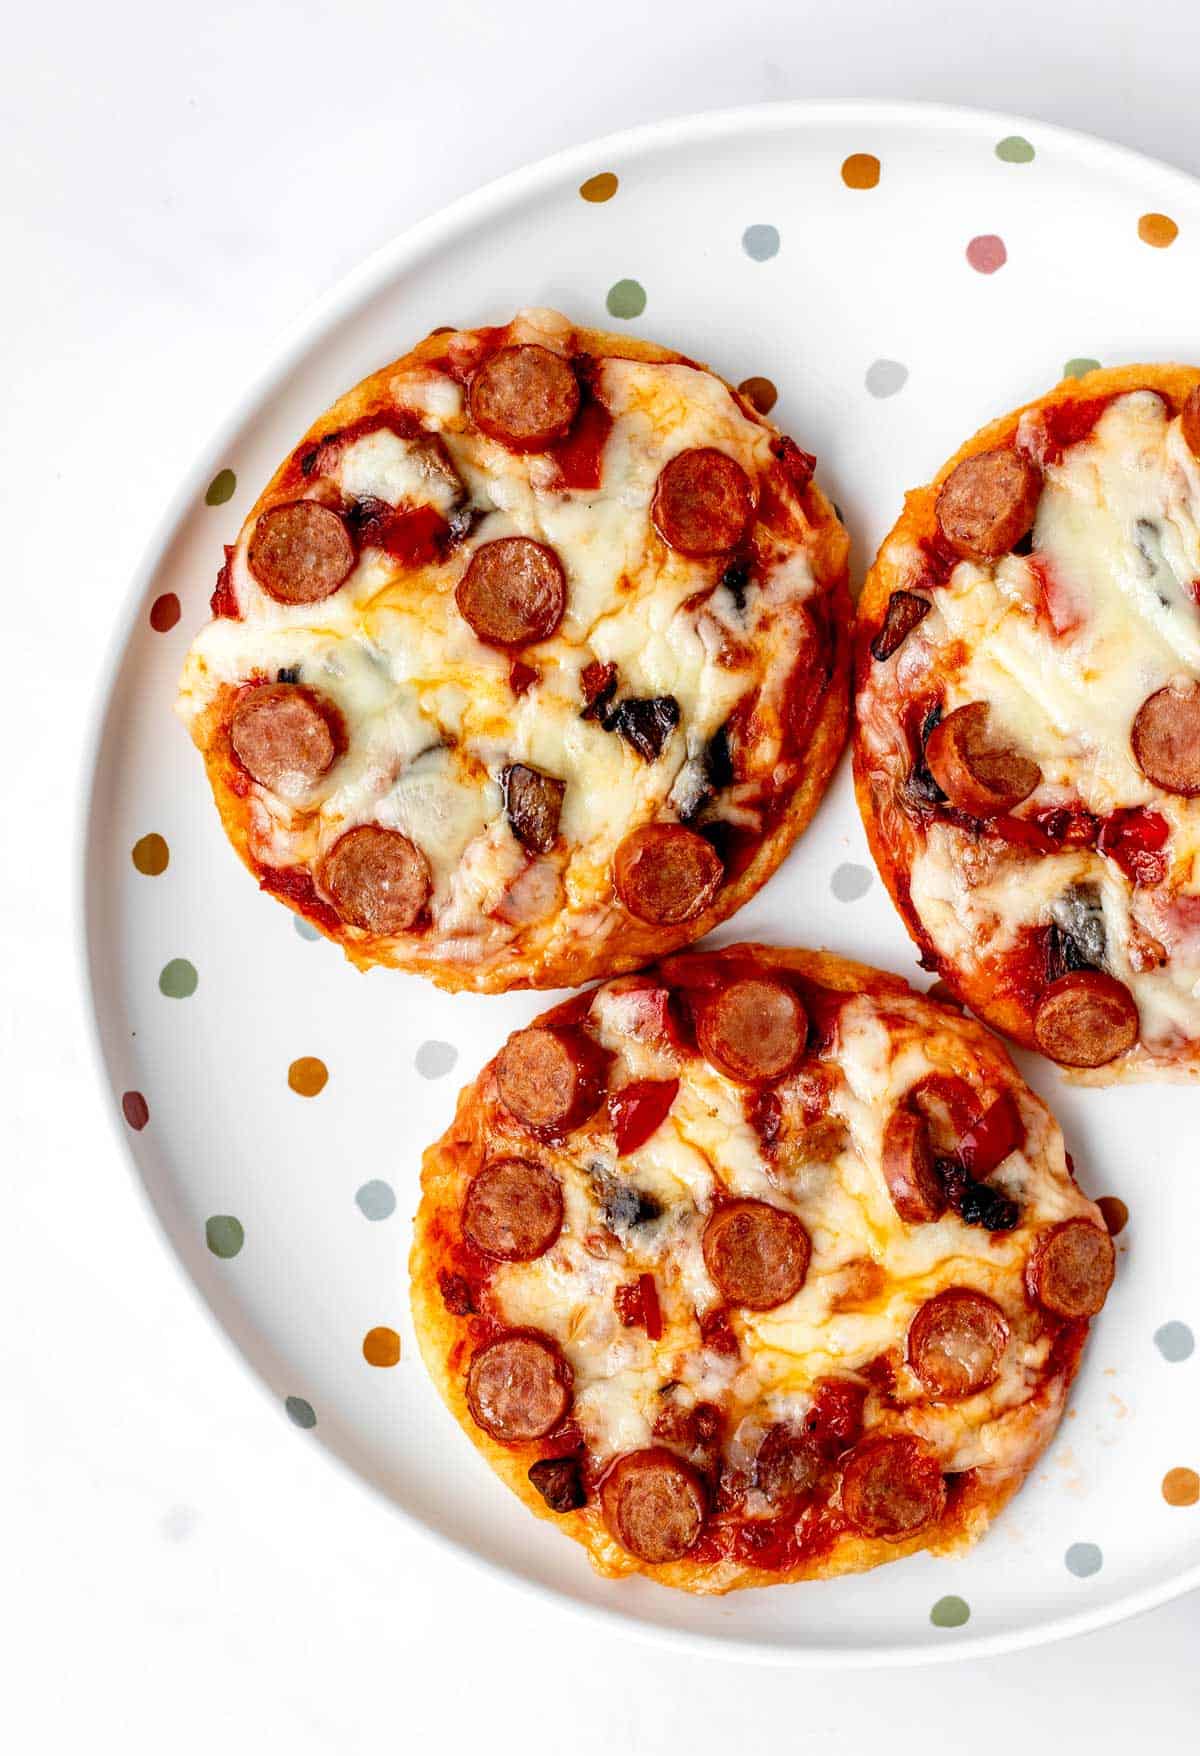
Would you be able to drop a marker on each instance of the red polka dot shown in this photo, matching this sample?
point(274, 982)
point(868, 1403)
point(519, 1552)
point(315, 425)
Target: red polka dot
point(987, 254)
point(164, 613)
point(135, 1109)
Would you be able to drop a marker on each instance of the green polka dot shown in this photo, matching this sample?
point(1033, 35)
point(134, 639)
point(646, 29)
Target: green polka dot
point(626, 298)
point(224, 1235)
point(1077, 368)
point(222, 487)
point(299, 1412)
point(950, 1612)
point(178, 979)
point(1014, 149)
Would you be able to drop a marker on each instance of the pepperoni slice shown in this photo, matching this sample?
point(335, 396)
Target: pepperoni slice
point(703, 502)
point(525, 396)
point(756, 1255)
point(1189, 420)
point(1166, 739)
point(1072, 1268)
point(977, 776)
point(665, 874)
point(513, 1209)
point(908, 1169)
point(787, 1466)
point(892, 1486)
point(654, 1504)
point(301, 552)
point(513, 592)
point(533, 805)
point(550, 1079)
point(283, 736)
point(987, 503)
point(1085, 1019)
point(519, 1386)
point(377, 878)
point(956, 1342)
point(754, 1029)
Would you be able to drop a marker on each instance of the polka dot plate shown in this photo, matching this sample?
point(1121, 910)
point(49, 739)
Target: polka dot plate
point(885, 278)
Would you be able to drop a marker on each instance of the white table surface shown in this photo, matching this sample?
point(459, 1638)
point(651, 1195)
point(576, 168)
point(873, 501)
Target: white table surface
point(179, 1567)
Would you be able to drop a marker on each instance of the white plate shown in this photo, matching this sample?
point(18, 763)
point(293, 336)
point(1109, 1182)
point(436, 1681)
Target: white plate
point(868, 290)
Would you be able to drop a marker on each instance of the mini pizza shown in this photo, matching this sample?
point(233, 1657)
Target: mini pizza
point(529, 663)
point(1027, 759)
point(755, 1267)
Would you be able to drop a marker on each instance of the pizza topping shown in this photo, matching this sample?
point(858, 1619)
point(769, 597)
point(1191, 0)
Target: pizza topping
point(905, 609)
point(513, 1209)
point(645, 724)
point(1189, 420)
point(976, 1203)
point(551, 1079)
point(598, 683)
point(533, 804)
point(519, 1386)
point(787, 1466)
point(300, 552)
point(1072, 1268)
point(989, 1140)
point(377, 879)
point(988, 502)
point(638, 1109)
point(756, 1255)
point(513, 592)
point(665, 874)
point(1166, 739)
point(754, 1029)
point(637, 1306)
point(525, 397)
point(1135, 840)
point(892, 1486)
point(1078, 936)
point(703, 502)
point(1085, 1019)
point(977, 775)
point(559, 1480)
point(908, 1168)
point(654, 1504)
point(956, 1341)
point(283, 736)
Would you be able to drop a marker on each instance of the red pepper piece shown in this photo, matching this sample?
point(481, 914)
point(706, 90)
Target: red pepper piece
point(637, 1109)
point(1134, 840)
point(835, 1418)
point(988, 1141)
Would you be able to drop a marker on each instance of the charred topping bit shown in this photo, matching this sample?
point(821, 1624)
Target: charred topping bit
point(718, 759)
point(905, 609)
point(1085, 1019)
point(1166, 739)
point(559, 1480)
point(625, 1207)
point(456, 1293)
point(1077, 937)
point(976, 1204)
point(599, 684)
point(798, 465)
point(735, 579)
point(645, 723)
point(920, 787)
point(988, 502)
point(978, 775)
point(533, 805)
point(288, 674)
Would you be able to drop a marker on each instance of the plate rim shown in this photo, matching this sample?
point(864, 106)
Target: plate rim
point(348, 293)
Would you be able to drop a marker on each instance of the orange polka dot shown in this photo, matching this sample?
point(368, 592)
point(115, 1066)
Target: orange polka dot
point(760, 393)
point(1181, 1487)
point(1114, 1213)
point(601, 187)
point(381, 1347)
point(1158, 229)
point(308, 1076)
point(151, 855)
point(860, 170)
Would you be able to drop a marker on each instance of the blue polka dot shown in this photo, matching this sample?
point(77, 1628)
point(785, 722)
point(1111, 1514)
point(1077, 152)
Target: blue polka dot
point(1083, 1559)
point(376, 1199)
point(305, 928)
point(300, 1412)
point(1174, 1342)
point(760, 243)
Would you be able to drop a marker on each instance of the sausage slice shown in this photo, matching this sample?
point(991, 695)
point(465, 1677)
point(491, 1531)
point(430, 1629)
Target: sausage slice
point(301, 552)
point(1189, 420)
point(754, 1029)
point(665, 874)
point(756, 1255)
point(909, 1170)
point(892, 1486)
point(513, 1209)
point(550, 1079)
point(654, 1504)
point(703, 502)
point(525, 396)
point(977, 775)
point(1085, 1019)
point(283, 736)
point(513, 592)
point(533, 805)
point(377, 879)
point(1166, 739)
point(519, 1386)
point(956, 1342)
point(988, 502)
point(1072, 1268)
point(787, 1465)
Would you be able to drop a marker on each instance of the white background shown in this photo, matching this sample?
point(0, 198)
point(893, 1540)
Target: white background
point(179, 1566)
